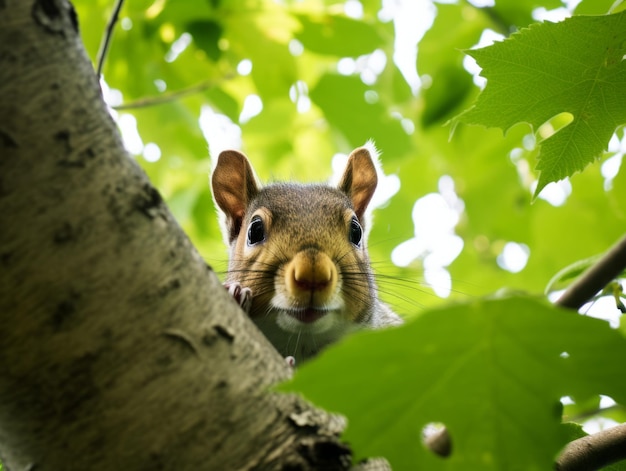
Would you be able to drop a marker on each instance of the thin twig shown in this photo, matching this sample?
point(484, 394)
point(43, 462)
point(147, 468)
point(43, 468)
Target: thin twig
point(593, 413)
point(595, 278)
point(108, 34)
point(172, 96)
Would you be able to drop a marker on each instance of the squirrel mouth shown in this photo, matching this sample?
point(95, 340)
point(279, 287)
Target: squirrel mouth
point(308, 315)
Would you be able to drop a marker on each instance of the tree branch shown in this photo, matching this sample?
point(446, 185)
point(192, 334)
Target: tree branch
point(595, 278)
point(594, 451)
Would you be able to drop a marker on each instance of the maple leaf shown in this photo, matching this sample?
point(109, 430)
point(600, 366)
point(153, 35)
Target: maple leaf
point(576, 66)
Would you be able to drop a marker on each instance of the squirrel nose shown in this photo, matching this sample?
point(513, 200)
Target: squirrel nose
point(311, 272)
point(312, 276)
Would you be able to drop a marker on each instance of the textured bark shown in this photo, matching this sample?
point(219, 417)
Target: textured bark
point(594, 451)
point(119, 349)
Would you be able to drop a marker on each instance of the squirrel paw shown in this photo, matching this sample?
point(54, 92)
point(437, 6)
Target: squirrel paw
point(243, 296)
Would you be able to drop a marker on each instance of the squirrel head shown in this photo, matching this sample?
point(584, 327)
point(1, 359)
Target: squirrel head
point(301, 249)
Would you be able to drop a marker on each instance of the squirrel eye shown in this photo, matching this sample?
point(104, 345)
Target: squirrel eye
point(356, 233)
point(256, 231)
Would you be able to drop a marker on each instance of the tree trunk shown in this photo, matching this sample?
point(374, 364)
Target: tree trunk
point(119, 349)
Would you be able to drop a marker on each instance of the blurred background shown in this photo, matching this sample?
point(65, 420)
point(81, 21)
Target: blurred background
point(296, 85)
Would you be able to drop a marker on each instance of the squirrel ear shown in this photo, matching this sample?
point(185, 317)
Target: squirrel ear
point(359, 180)
point(234, 185)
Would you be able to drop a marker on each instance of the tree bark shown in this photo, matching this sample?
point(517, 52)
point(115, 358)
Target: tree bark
point(119, 349)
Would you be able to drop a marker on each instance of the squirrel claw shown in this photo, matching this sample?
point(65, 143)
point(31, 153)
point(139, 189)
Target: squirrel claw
point(243, 296)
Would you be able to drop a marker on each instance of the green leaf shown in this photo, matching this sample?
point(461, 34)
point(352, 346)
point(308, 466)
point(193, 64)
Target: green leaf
point(517, 13)
point(575, 67)
point(206, 34)
point(443, 97)
point(596, 7)
point(224, 102)
point(457, 26)
point(492, 371)
point(343, 100)
point(337, 35)
point(263, 36)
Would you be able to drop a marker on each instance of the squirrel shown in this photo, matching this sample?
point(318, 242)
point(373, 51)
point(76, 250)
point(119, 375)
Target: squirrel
point(298, 261)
